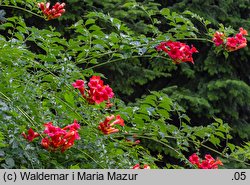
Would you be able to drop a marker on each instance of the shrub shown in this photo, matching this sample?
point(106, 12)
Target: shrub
point(39, 66)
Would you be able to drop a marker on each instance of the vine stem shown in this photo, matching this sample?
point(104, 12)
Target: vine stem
point(23, 9)
point(201, 144)
point(149, 135)
point(118, 59)
point(198, 39)
point(170, 147)
point(25, 114)
point(221, 154)
point(142, 7)
point(76, 113)
point(91, 158)
point(205, 146)
point(137, 56)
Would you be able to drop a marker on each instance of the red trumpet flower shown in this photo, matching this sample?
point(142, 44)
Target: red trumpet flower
point(208, 163)
point(60, 138)
point(138, 166)
point(97, 93)
point(107, 128)
point(177, 51)
point(31, 135)
point(231, 43)
point(56, 11)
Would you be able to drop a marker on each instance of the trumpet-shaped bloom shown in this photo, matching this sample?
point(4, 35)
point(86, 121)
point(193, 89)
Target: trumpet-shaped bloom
point(97, 93)
point(79, 84)
point(31, 135)
point(138, 166)
point(107, 126)
point(218, 38)
point(60, 138)
point(177, 51)
point(56, 11)
point(208, 163)
point(231, 43)
point(194, 159)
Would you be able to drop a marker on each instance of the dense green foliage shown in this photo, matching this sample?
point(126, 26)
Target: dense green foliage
point(143, 17)
point(175, 117)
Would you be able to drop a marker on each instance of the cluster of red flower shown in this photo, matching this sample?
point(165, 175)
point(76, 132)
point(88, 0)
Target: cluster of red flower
point(218, 38)
point(97, 92)
point(177, 51)
point(56, 11)
point(107, 128)
point(208, 163)
point(57, 138)
point(231, 43)
point(137, 166)
point(31, 135)
point(60, 138)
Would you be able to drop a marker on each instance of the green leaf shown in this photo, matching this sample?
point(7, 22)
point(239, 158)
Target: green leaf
point(76, 166)
point(218, 120)
point(139, 122)
point(89, 21)
point(94, 28)
point(163, 113)
point(220, 134)
point(165, 11)
point(162, 126)
point(151, 100)
point(231, 146)
point(165, 103)
point(225, 53)
point(214, 140)
point(130, 4)
point(119, 152)
point(77, 24)
point(69, 98)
